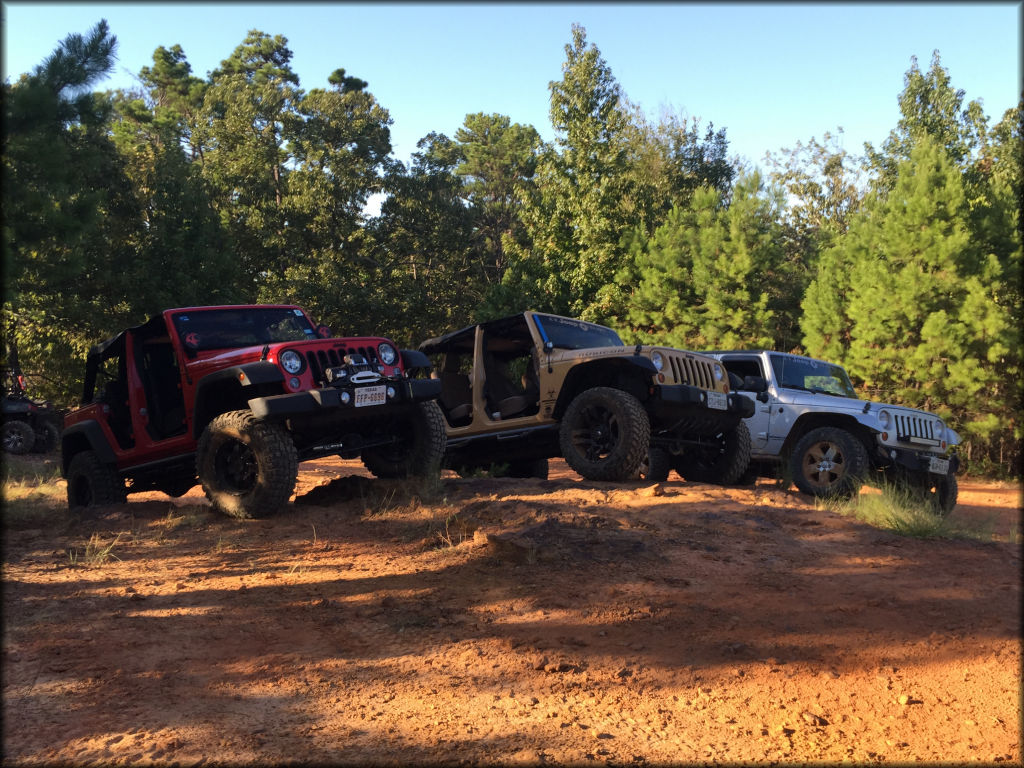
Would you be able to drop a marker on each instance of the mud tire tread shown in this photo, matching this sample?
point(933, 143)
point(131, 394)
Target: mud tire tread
point(275, 457)
point(92, 484)
point(423, 458)
point(656, 466)
point(727, 467)
point(623, 462)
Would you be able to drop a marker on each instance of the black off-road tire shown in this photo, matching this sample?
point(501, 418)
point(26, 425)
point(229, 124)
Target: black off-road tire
point(18, 437)
point(655, 466)
point(605, 434)
point(939, 492)
point(943, 492)
point(47, 436)
point(92, 484)
point(723, 464)
point(247, 467)
point(829, 462)
point(418, 452)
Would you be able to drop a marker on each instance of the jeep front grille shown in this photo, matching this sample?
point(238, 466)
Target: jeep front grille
point(911, 428)
point(687, 370)
point(321, 359)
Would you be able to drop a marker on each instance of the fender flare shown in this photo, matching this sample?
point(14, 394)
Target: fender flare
point(236, 377)
point(92, 434)
point(630, 364)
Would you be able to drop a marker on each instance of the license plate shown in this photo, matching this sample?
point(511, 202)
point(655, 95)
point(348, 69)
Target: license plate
point(938, 466)
point(371, 396)
point(718, 400)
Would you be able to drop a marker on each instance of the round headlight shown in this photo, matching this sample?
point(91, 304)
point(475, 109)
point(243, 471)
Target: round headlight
point(719, 373)
point(387, 353)
point(884, 419)
point(658, 360)
point(291, 361)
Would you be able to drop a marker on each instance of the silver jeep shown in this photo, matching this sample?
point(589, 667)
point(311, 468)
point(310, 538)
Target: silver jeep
point(809, 419)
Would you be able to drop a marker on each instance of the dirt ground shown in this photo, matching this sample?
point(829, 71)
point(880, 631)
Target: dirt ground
point(505, 621)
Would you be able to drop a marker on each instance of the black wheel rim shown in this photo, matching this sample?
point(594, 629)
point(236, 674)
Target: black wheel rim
point(597, 434)
point(235, 464)
point(14, 441)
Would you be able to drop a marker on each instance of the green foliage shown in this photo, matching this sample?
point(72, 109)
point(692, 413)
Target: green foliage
point(711, 276)
point(584, 198)
point(898, 509)
point(496, 159)
point(336, 157)
point(70, 215)
point(929, 106)
point(921, 297)
point(422, 244)
point(922, 302)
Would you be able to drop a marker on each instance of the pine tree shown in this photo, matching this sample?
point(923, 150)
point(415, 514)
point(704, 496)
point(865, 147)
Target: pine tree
point(926, 326)
point(584, 198)
point(706, 275)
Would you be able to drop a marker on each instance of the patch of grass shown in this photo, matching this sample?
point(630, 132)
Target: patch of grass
point(34, 500)
point(454, 531)
point(402, 496)
point(29, 469)
point(384, 503)
point(96, 552)
point(187, 517)
point(426, 489)
point(906, 513)
point(1014, 536)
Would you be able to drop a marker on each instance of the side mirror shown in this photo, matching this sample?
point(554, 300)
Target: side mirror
point(323, 332)
point(416, 363)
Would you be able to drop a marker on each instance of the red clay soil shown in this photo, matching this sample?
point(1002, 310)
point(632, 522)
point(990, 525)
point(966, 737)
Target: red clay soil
point(506, 621)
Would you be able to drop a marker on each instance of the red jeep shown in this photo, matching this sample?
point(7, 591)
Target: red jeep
point(236, 396)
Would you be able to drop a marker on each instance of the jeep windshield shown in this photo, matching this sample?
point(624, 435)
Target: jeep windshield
point(233, 327)
point(812, 376)
point(566, 333)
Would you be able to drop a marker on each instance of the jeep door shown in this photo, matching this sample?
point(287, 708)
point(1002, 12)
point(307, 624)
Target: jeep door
point(159, 417)
point(760, 423)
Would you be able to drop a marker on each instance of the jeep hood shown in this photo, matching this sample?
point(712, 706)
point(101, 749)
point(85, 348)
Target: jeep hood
point(861, 409)
point(227, 357)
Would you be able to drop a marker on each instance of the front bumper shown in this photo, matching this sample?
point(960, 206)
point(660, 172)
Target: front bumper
point(915, 461)
point(684, 410)
point(331, 400)
point(677, 396)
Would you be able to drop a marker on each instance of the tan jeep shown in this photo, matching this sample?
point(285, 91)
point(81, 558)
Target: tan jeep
point(525, 388)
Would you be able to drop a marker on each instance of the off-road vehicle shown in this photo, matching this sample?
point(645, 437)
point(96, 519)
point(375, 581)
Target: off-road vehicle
point(525, 388)
point(236, 396)
point(28, 424)
point(810, 423)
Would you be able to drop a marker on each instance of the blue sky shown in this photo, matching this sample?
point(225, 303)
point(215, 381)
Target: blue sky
point(771, 74)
